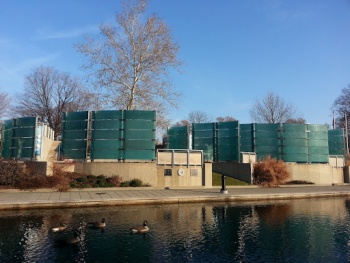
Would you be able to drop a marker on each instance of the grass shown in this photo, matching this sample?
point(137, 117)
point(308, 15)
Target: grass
point(229, 180)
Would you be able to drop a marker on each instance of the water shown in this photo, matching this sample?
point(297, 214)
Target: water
point(310, 230)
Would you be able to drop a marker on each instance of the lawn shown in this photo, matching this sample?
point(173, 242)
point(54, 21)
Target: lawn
point(229, 180)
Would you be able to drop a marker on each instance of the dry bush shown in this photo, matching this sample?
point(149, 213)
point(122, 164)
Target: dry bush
point(115, 180)
point(10, 171)
point(270, 172)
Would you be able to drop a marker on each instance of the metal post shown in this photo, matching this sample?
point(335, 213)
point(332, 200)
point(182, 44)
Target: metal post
point(346, 133)
point(223, 185)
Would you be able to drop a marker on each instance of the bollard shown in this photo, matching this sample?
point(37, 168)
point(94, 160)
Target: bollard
point(223, 185)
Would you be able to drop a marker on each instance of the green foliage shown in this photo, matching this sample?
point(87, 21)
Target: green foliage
point(133, 183)
point(92, 181)
point(229, 180)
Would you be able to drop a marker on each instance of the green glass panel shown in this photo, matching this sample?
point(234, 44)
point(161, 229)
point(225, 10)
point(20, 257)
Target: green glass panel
point(139, 124)
point(267, 127)
point(8, 124)
point(74, 125)
point(231, 125)
point(318, 136)
point(319, 150)
point(106, 125)
point(208, 156)
point(203, 134)
point(263, 156)
point(105, 134)
point(267, 142)
point(295, 157)
point(227, 133)
point(24, 132)
point(71, 135)
point(74, 144)
point(246, 141)
point(317, 128)
point(294, 127)
point(107, 115)
point(336, 152)
point(267, 149)
point(105, 144)
point(247, 148)
point(295, 149)
point(139, 134)
point(22, 152)
point(75, 116)
point(295, 142)
point(200, 141)
point(177, 130)
point(73, 154)
point(267, 134)
point(140, 115)
point(22, 142)
point(139, 144)
point(318, 158)
point(228, 140)
point(25, 122)
point(227, 157)
point(202, 126)
point(138, 155)
point(246, 127)
point(106, 154)
point(318, 143)
point(295, 135)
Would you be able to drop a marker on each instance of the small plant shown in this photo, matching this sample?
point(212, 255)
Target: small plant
point(136, 183)
point(270, 172)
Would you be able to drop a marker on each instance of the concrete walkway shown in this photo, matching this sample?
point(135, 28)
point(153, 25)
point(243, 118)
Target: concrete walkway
point(15, 199)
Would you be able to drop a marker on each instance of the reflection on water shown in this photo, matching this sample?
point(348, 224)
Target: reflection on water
point(310, 230)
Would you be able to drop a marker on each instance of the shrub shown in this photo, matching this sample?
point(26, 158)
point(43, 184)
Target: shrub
point(270, 172)
point(10, 171)
point(136, 183)
point(115, 180)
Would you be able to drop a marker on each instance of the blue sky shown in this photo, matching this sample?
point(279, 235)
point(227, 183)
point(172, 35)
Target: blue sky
point(234, 52)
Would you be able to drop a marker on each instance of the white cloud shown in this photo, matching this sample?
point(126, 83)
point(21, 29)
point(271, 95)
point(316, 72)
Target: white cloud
point(46, 33)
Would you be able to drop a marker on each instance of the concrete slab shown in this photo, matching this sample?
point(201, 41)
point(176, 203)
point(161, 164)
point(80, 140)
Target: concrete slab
point(48, 198)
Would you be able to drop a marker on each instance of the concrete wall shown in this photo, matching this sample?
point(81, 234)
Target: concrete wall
point(149, 173)
point(127, 171)
point(183, 176)
point(316, 173)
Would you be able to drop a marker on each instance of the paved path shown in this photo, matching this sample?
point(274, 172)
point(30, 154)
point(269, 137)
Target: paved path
point(13, 199)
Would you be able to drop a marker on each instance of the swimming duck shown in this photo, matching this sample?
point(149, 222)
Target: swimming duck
point(73, 240)
point(101, 224)
point(59, 228)
point(141, 229)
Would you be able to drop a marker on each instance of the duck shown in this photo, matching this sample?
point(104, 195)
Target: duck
point(141, 229)
point(59, 228)
point(97, 224)
point(72, 240)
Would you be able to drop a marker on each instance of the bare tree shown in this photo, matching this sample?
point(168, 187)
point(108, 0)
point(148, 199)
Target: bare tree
point(5, 104)
point(299, 120)
point(341, 108)
point(130, 61)
point(224, 119)
point(48, 93)
point(272, 109)
point(183, 123)
point(199, 117)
